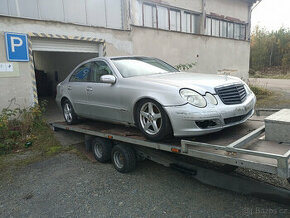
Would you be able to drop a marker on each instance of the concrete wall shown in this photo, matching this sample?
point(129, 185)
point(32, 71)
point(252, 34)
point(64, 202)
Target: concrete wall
point(235, 9)
point(211, 54)
point(118, 41)
point(18, 88)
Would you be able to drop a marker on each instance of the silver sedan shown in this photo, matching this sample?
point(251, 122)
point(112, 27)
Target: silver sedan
point(154, 96)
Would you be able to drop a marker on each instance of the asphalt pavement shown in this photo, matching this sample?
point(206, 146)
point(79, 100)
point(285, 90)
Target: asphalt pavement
point(273, 84)
point(68, 185)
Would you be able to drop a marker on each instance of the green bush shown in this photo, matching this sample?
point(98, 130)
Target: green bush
point(16, 126)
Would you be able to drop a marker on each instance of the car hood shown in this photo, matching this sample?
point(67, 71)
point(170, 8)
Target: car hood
point(199, 82)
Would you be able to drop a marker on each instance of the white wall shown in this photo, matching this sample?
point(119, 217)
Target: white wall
point(232, 8)
point(211, 54)
point(18, 88)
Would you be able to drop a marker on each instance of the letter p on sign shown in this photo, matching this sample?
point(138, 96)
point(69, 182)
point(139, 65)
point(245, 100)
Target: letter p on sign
point(16, 47)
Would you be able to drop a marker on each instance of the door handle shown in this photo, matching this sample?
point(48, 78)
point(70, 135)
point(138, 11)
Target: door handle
point(69, 88)
point(89, 89)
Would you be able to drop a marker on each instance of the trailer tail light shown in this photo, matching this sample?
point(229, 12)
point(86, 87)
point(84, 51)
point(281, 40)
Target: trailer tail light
point(175, 150)
point(110, 137)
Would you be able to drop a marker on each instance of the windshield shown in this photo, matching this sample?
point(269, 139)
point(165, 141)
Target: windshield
point(141, 66)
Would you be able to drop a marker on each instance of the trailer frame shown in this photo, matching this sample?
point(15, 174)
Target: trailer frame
point(188, 148)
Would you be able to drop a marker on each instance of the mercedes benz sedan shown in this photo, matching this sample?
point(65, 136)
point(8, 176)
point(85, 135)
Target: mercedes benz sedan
point(154, 96)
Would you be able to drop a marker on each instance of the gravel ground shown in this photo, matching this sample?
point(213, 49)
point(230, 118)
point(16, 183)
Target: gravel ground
point(69, 186)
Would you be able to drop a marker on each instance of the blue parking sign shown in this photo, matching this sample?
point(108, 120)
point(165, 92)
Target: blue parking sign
point(16, 47)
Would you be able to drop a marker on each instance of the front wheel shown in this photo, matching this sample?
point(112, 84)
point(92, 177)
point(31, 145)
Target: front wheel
point(69, 113)
point(153, 121)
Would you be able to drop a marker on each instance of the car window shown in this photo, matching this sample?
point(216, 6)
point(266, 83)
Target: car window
point(81, 74)
point(139, 66)
point(98, 69)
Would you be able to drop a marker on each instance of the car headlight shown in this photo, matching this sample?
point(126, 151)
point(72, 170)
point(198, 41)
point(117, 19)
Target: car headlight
point(211, 99)
point(248, 90)
point(193, 97)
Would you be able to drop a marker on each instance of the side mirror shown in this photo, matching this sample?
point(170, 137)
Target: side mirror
point(110, 79)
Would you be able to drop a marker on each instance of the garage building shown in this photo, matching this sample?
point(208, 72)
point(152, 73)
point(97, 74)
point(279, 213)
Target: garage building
point(212, 34)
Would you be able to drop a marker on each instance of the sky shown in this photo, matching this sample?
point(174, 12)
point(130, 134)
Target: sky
point(272, 14)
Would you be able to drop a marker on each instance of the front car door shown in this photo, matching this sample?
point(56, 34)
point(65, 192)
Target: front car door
point(77, 89)
point(103, 99)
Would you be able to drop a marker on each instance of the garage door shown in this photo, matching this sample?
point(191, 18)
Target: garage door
point(60, 45)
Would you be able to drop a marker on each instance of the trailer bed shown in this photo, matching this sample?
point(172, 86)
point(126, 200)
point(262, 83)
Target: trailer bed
point(243, 145)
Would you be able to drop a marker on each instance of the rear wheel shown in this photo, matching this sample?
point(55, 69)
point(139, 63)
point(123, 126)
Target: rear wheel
point(152, 120)
point(123, 158)
point(69, 113)
point(102, 149)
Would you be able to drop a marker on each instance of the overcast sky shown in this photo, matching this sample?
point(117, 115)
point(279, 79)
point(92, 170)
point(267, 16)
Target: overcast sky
point(272, 14)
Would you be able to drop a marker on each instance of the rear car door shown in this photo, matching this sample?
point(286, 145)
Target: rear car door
point(77, 89)
point(103, 98)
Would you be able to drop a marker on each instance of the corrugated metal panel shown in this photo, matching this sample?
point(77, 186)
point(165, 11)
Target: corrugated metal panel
point(4, 7)
point(75, 11)
point(44, 44)
point(24, 8)
point(114, 14)
point(103, 13)
point(51, 10)
point(96, 12)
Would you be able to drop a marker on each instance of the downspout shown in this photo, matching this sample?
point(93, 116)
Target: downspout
point(203, 18)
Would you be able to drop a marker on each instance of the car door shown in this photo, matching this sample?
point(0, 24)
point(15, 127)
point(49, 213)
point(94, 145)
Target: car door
point(77, 89)
point(103, 98)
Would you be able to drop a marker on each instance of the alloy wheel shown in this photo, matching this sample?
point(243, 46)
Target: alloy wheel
point(67, 109)
point(150, 118)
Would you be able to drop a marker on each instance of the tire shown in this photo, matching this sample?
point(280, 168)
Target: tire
point(69, 113)
point(123, 158)
point(153, 121)
point(102, 149)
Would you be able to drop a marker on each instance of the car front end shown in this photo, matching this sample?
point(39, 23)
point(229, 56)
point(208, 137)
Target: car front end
point(228, 105)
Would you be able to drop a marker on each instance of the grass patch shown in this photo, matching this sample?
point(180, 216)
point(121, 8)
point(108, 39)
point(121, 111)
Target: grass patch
point(26, 137)
point(261, 92)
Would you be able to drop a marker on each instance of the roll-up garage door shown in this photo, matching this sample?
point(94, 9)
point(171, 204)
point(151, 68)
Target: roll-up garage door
point(60, 45)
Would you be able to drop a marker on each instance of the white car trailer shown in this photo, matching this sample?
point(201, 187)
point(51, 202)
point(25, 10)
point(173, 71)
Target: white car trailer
point(208, 158)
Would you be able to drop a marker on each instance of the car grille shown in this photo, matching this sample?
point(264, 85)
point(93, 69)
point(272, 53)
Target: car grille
point(237, 118)
point(233, 94)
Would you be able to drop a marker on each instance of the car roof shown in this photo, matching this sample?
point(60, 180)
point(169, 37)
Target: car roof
point(117, 57)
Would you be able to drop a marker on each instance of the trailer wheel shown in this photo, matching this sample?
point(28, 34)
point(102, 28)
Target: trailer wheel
point(123, 158)
point(102, 149)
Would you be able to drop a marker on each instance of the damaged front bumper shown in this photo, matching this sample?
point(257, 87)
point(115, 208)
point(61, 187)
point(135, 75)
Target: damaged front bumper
point(188, 120)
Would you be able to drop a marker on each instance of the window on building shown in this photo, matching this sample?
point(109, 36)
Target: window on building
point(243, 32)
point(175, 17)
point(226, 29)
point(190, 23)
point(230, 30)
point(208, 26)
point(150, 15)
point(237, 31)
point(187, 23)
point(163, 18)
point(215, 25)
point(195, 23)
point(223, 29)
